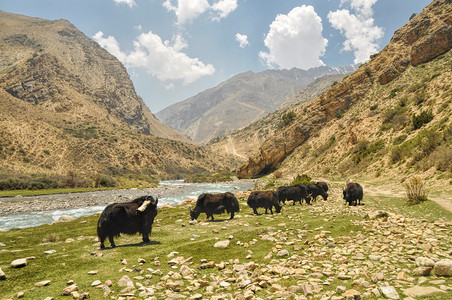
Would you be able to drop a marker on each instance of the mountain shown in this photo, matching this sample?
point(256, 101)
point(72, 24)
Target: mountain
point(67, 105)
point(54, 65)
point(391, 116)
point(239, 101)
point(243, 142)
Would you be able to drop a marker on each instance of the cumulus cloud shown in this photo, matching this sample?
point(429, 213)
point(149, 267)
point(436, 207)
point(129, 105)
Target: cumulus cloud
point(224, 8)
point(188, 10)
point(162, 59)
point(295, 40)
point(130, 3)
point(361, 35)
point(242, 39)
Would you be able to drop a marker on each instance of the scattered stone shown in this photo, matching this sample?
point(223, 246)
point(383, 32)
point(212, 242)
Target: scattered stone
point(424, 262)
point(63, 219)
point(443, 268)
point(2, 274)
point(43, 283)
point(49, 298)
point(49, 251)
point(421, 291)
point(20, 295)
point(125, 281)
point(422, 271)
point(389, 292)
point(68, 290)
point(93, 272)
point(19, 263)
point(96, 283)
point(353, 294)
point(372, 215)
point(282, 253)
point(222, 244)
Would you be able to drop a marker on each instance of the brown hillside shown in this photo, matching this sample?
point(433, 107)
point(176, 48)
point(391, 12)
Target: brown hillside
point(402, 74)
point(55, 66)
point(67, 105)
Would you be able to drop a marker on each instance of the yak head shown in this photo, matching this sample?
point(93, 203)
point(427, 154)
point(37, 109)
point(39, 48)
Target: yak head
point(149, 201)
point(194, 213)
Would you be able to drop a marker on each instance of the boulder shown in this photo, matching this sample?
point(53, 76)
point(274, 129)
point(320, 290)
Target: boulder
point(19, 263)
point(443, 267)
point(222, 244)
point(2, 274)
point(63, 219)
point(421, 291)
point(424, 262)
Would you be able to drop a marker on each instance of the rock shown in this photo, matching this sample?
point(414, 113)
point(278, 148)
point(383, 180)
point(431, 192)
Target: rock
point(93, 272)
point(424, 262)
point(372, 215)
point(222, 244)
point(2, 274)
point(19, 263)
point(435, 42)
point(421, 291)
point(353, 294)
point(422, 271)
point(43, 283)
point(96, 283)
point(282, 253)
point(125, 281)
point(68, 290)
point(186, 271)
point(49, 251)
point(20, 295)
point(443, 267)
point(389, 292)
point(49, 298)
point(63, 219)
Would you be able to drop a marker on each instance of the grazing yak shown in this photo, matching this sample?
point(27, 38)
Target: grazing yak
point(215, 204)
point(129, 218)
point(316, 189)
point(353, 194)
point(265, 199)
point(296, 193)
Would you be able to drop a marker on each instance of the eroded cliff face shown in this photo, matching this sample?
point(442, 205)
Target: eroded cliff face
point(53, 65)
point(426, 36)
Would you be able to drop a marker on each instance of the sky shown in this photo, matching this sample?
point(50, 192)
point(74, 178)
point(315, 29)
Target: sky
point(175, 49)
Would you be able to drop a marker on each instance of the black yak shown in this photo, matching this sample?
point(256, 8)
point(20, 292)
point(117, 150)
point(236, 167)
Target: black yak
point(215, 204)
point(296, 193)
point(265, 199)
point(316, 189)
point(132, 217)
point(353, 193)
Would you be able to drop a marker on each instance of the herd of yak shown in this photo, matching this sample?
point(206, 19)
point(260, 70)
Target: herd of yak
point(138, 215)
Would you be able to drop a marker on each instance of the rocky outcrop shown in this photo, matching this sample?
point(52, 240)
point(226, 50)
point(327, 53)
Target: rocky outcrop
point(425, 37)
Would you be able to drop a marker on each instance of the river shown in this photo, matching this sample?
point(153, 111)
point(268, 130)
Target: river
point(24, 212)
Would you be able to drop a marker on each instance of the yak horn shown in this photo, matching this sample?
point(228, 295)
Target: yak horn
point(144, 205)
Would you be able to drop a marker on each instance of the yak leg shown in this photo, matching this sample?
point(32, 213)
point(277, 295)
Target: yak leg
point(102, 246)
point(146, 237)
point(112, 242)
point(271, 210)
point(232, 214)
point(255, 211)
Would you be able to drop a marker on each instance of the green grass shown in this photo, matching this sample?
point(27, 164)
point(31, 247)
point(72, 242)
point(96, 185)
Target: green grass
point(50, 191)
point(171, 232)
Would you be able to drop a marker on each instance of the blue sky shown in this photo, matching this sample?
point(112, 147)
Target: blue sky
point(174, 49)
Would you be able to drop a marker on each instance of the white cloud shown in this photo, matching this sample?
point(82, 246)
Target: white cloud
point(361, 35)
point(138, 27)
point(224, 8)
point(110, 44)
point(130, 3)
point(186, 10)
point(295, 40)
point(242, 39)
point(162, 59)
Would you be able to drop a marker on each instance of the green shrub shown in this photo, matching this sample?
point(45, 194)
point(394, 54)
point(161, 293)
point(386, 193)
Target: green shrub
point(287, 118)
point(396, 118)
point(423, 118)
point(400, 139)
point(364, 149)
point(301, 179)
point(105, 181)
point(374, 107)
point(420, 97)
point(415, 191)
point(339, 113)
point(368, 71)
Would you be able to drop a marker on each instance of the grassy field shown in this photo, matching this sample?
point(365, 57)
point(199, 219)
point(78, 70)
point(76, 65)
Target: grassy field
point(296, 229)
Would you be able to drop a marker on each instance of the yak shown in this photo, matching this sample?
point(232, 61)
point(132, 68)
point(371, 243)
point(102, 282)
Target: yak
point(316, 189)
point(265, 199)
point(296, 193)
point(353, 194)
point(323, 185)
point(132, 217)
point(215, 204)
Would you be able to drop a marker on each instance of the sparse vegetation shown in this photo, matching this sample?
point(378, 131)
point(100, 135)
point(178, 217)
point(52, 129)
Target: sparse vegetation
point(301, 179)
point(205, 177)
point(339, 113)
point(423, 118)
point(415, 191)
point(395, 118)
point(287, 118)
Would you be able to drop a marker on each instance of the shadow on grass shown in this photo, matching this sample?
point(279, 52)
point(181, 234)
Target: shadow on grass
point(140, 244)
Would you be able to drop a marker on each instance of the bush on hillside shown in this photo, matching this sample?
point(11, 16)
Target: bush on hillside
point(415, 191)
point(105, 181)
point(287, 118)
point(301, 179)
point(423, 118)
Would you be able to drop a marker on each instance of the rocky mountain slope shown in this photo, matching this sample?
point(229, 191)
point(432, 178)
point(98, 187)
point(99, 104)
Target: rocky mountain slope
point(55, 66)
point(69, 106)
point(239, 101)
point(393, 112)
point(242, 143)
